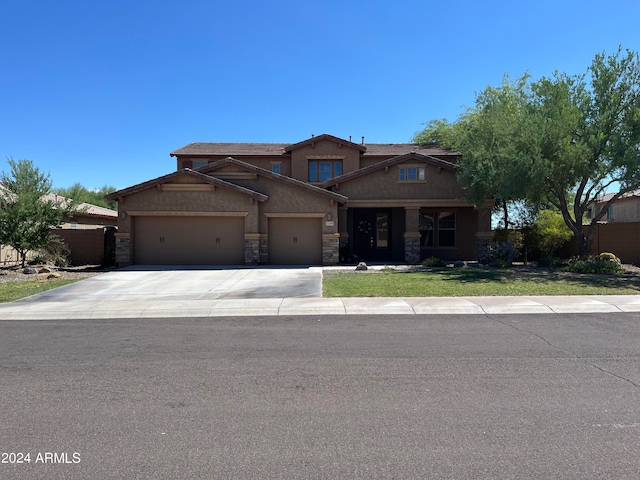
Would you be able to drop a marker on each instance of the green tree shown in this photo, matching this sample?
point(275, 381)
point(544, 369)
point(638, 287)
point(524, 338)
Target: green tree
point(563, 140)
point(552, 231)
point(26, 213)
point(81, 194)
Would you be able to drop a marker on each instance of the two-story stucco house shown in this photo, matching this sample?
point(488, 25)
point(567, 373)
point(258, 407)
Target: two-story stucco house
point(320, 201)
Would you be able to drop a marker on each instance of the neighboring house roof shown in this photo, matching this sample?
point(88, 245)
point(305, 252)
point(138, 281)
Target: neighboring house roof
point(261, 197)
point(82, 210)
point(387, 163)
point(275, 176)
point(609, 196)
point(280, 149)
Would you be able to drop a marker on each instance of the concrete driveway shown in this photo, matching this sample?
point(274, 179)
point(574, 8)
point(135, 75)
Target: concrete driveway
point(147, 283)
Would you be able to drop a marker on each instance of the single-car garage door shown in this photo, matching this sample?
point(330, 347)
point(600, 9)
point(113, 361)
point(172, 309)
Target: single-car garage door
point(188, 240)
point(295, 241)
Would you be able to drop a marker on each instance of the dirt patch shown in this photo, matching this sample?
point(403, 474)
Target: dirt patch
point(18, 274)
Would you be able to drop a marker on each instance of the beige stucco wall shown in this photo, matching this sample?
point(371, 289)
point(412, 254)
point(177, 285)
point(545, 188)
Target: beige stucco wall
point(626, 210)
point(326, 149)
point(283, 199)
point(439, 184)
point(290, 199)
point(259, 161)
point(156, 200)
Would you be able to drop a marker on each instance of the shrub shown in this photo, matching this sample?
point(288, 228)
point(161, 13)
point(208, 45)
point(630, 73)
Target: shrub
point(502, 254)
point(434, 262)
point(553, 232)
point(56, 252)
point(607, 257)
point(594, 265)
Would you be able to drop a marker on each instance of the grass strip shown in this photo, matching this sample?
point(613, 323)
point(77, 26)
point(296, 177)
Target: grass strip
point(470, 282)
point(11, 291)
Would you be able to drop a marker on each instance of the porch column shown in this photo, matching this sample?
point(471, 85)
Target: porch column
point(412, 235)
point(343, 229)
point(484, 235)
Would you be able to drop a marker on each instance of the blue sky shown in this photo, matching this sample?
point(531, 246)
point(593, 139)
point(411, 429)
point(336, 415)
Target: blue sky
point(100, 92)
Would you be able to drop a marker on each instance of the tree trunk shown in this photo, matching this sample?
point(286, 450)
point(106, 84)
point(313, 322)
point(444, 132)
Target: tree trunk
point(506, 214)
point(587, 241)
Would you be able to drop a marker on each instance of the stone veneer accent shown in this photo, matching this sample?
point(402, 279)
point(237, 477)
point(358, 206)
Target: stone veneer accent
point(251, 249)
point(330, 249)
point(412, 247)
point(263, 248)
point(482, 250)
point(123, 248)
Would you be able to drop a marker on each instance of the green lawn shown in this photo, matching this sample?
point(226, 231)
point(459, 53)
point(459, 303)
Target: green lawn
point(10, 291)
point(467, 282)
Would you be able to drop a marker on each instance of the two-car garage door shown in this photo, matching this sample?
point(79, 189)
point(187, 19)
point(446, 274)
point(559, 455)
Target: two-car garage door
point(219, 240)
point(188, 240)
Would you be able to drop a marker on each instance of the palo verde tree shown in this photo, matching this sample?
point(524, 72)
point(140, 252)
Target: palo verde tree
point(563, 140)
point(27, 213)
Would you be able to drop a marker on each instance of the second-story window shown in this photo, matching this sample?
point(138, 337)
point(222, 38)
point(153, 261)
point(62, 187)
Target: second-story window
point(411, 174)
point(323, 170)
point(200, 163)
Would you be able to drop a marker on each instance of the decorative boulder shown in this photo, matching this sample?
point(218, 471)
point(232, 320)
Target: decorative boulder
point(29, 271)
point(53, 275)
point(362, 266)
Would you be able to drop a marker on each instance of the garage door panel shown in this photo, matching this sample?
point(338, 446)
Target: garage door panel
point(189, 240)
point(295, 241)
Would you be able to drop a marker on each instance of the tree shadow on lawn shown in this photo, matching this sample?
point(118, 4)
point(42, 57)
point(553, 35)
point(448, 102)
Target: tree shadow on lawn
point(504, 276)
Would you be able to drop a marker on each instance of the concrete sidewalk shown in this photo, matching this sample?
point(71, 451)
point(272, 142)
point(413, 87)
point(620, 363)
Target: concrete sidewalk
point(163, 308)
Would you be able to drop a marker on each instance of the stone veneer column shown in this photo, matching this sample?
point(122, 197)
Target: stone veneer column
point(251, 248)
point(483, 240)
point(412, 235)
point(330, 248)
point(123, 249)
point(263, 247)
point(484, 236)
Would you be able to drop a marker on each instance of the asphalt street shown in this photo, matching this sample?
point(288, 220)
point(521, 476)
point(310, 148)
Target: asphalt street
point(427, 396)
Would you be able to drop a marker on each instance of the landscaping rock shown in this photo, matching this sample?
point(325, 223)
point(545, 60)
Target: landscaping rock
point(362, 266)
point(53, 275)
point(29, 271)
point(44, 270)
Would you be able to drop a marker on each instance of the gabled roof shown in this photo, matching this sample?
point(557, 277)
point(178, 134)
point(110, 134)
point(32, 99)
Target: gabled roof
point(282, 149)
point(261, 197)
point(325, 136)
point(275, 176)
point(411, 157)
point(230, 149)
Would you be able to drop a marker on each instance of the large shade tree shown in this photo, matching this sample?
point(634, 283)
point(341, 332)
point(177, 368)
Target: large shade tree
point(564, 140)
point(27, 212)
point(81, 194)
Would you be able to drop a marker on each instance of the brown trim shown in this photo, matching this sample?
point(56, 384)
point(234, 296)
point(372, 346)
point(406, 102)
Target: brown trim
point(294, 215)
point(415, 204)
point(183, 213)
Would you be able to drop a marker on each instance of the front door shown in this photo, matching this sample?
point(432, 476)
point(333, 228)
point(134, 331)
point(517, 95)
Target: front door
point(371, 231)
